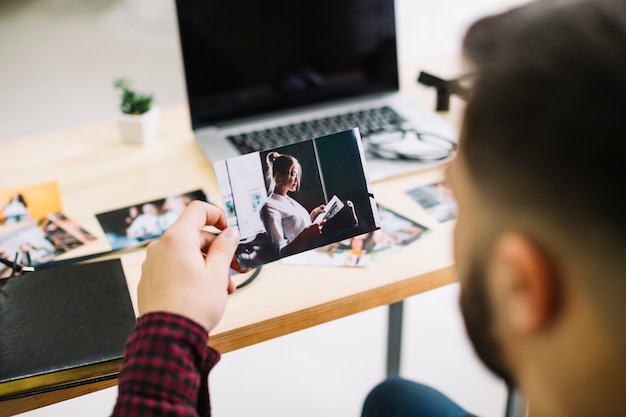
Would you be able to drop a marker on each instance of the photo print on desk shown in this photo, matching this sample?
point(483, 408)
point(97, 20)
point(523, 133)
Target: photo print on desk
point(396, 232)
point(437, 199)
point(29, 202)
point(36, 242)
point(137, 224)
point(275, 197)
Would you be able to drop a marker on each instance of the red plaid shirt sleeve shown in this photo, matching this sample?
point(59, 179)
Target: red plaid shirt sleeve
point(165, 369)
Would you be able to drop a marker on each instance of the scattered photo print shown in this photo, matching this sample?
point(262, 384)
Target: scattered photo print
point(437, 200)
point(137, 224)
point(38, 242)
point(30, 202)
point(348, 252)
point(297, 197)
point(396, 232)
point(64, 233)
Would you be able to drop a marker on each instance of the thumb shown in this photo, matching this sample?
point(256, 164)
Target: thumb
point(223, 248)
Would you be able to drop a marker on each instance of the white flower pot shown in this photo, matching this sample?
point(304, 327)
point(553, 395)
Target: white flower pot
point(139, 128)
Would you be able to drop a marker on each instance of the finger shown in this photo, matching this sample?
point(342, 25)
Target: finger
point(199, 214)
point(223, 248)
point(231, 286)
point(206, 240)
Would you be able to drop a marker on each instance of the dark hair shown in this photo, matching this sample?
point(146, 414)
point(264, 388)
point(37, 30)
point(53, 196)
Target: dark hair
point(278, 164)
point(20, 198)
point(544, 134)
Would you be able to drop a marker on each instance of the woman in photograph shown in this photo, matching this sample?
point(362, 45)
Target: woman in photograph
point(146, 225)
point(172, 208)
point(288, 223)
point(15, 210)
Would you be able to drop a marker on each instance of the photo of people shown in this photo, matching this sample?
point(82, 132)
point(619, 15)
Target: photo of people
point(289, 225)
point(30, 202)
point(27, 245)
point(297, 197)
point(137, 224)
point(395, 233)
point(437, 200)
point(37, 242)
point(15, 210)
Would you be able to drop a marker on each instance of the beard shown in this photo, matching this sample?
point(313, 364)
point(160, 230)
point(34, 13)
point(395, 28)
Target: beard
point(478, 318)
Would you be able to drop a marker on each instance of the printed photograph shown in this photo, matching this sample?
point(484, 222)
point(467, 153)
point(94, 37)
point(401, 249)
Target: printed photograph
point(31, 202)
point(437, 200)
point(297, 197)
point(355, 252)
point(137, 224)
point(64, 233)
point(37, 242)
point(396, 232)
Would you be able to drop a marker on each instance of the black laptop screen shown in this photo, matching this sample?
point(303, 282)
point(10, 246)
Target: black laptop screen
point(246, 57)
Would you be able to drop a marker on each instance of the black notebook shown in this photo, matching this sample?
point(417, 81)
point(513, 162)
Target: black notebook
point(63, 327)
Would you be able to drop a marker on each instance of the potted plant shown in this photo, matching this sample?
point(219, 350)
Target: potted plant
point(139, 119)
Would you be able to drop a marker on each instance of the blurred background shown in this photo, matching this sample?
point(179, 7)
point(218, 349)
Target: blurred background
point(58, 60)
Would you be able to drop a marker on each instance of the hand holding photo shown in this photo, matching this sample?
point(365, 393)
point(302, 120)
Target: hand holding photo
point(280, 198)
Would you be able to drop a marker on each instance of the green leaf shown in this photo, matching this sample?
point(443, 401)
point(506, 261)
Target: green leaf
point(131, 101)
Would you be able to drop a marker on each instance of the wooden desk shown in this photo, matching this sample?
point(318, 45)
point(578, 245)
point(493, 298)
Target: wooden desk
point(97, 172)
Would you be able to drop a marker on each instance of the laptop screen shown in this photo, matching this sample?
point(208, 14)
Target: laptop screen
point(246, 57)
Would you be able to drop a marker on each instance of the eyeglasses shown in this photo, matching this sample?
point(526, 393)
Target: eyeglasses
point(16, 268)
point(397, 142)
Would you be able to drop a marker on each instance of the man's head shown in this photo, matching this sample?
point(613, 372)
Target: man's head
point(540, 177)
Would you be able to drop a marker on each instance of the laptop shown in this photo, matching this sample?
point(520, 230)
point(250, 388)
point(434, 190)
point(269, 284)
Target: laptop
point(261, 74)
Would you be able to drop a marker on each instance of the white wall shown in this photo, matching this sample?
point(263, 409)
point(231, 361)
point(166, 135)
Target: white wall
point(436, 27)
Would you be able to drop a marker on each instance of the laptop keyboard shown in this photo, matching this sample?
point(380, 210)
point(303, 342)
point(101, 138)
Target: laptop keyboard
point(368, 121)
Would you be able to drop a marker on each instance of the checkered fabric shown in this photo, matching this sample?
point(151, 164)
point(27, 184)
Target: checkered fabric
point(165, 369)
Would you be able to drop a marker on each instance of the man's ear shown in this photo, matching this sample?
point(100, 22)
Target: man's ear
point(530, 282)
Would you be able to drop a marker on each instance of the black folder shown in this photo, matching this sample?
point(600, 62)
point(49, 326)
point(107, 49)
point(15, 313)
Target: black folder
point(63, 327)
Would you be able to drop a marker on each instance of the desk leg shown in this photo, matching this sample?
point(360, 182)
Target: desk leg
point(394, 338)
